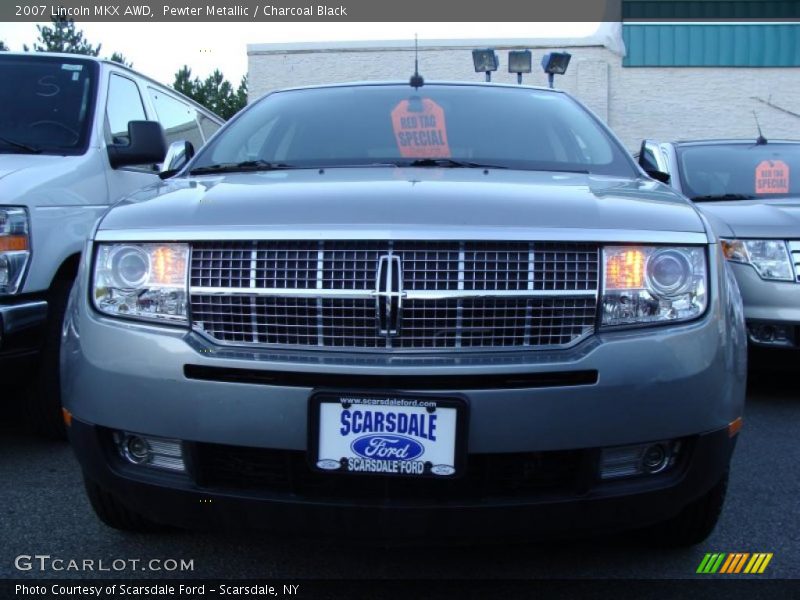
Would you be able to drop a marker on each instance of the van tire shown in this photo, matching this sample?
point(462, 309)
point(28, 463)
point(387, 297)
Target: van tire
point(694, 523)
point(115, 514)
point(43, 398)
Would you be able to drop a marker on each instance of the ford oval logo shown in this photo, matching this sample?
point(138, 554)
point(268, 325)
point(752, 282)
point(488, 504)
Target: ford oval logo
point(387, 447)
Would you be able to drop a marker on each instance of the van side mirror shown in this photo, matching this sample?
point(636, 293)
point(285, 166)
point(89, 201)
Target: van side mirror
point(178, 154)
point(147, 145)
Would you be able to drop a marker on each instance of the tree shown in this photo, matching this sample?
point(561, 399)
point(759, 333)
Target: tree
point(3, 47)
point(119, 57)
point(215, 93)
point(61, 36)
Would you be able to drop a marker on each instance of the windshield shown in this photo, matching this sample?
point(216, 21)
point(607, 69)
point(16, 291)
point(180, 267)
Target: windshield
point(47, 104)
point(437, 126)
point(739, 171)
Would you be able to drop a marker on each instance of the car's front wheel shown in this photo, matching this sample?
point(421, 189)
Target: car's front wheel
point(44, 392)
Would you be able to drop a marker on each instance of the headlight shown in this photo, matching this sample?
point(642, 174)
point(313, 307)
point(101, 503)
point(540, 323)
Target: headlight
point(15, 249)
point(652, 284)
point(142, 281)
point(770, 258)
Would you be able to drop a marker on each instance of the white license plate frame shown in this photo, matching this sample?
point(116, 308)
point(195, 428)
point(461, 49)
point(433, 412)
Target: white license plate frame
point(346, 435)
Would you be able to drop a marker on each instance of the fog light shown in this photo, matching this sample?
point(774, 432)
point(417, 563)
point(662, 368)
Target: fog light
point(655, 458)
point(147, 451)
point(135, 449)
point(771, 334)
point(641, 459)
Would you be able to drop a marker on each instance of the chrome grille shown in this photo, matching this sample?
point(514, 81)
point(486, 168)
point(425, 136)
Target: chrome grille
point(449, 295)
point(794, 248)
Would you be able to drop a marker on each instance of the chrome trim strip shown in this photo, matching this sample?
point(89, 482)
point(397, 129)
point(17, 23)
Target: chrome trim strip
point(320, 275)
point(445, 351)
point(406, 295)
point(253, 310)
point(794, 257)
point(492, 234)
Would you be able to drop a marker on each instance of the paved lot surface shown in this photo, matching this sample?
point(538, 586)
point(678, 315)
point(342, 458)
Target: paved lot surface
point(43, 510)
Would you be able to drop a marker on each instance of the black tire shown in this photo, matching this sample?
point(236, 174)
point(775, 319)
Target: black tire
point(44, 392)
point(115, 514)
point(694, 523)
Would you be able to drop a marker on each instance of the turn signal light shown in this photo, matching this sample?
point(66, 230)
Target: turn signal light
point(625, 269)
point(13, 243)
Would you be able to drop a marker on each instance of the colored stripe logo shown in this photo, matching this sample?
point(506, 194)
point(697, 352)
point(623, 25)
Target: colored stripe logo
point(735, 562)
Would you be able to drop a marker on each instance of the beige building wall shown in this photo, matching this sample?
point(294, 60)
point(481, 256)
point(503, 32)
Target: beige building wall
point(659, 103)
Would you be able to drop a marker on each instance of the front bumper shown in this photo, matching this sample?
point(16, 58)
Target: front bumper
point(582, 504)
point(21, 328)
point(677, 382)
point(769, 304)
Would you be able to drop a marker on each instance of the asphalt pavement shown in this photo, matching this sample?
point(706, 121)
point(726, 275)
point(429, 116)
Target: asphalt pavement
point(43, 511)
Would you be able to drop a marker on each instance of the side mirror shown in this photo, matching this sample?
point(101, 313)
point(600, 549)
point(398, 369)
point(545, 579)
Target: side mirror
point(649, 166)
point(147, 145)
point(178, 154)
point(658, 175)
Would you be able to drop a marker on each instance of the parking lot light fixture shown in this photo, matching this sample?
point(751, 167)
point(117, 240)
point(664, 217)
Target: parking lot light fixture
point(555, 63)
point(485, 61)
point(519, 62)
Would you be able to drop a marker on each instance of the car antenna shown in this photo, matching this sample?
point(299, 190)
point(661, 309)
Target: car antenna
point(416, 80)
point(761, 140)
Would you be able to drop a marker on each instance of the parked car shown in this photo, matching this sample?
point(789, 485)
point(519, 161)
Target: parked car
point(440, 311)
point(749, 191)
point(70, 134)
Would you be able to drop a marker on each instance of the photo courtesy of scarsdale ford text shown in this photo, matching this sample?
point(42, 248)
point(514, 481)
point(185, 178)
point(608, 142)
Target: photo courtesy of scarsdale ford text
point(120, 590)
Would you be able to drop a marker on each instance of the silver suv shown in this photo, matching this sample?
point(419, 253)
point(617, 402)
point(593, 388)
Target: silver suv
point(450, 310)
point(747, 191)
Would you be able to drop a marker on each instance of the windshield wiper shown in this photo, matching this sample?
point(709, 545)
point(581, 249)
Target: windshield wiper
point(240, 167)
point(20, 145)
point(722, 197)
point(446, 163)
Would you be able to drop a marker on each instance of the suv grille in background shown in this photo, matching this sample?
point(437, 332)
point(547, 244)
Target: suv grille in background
point(794, 248)
point(395, 295)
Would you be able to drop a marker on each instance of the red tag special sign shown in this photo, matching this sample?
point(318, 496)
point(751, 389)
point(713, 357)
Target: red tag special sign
point(772, 177)
point(421, 133)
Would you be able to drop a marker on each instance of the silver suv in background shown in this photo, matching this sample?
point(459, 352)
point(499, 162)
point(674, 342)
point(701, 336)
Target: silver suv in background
point(749, 190)
point(455, 310)
point(73, 140)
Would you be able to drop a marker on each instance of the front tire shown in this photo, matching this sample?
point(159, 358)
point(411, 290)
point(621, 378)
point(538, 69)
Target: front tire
point(44, 392)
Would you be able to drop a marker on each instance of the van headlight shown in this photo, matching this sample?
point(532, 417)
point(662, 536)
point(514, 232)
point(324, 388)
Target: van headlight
point(142, 281)
point(653, 284)
point(15, 248)
point(770, 258)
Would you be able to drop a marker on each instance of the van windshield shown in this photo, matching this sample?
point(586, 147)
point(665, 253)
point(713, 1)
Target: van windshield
point(438, 125)
point(47, 104)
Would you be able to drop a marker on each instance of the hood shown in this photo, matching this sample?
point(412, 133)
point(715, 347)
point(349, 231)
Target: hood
point(384, 201)
point(14, 163)
point(778, 218)
point(47, 180)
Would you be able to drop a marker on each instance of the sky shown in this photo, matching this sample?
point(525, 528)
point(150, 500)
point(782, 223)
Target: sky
point(160, 49)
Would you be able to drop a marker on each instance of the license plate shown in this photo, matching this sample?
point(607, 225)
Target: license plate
point(407, 436)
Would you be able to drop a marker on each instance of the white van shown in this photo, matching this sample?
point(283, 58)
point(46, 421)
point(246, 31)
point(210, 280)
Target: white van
point(76, 134)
